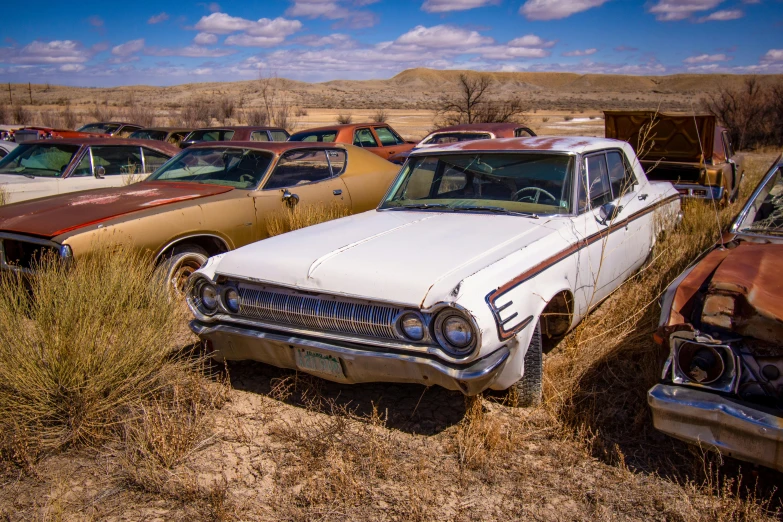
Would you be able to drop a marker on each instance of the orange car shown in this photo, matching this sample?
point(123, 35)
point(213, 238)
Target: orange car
point(378, 138)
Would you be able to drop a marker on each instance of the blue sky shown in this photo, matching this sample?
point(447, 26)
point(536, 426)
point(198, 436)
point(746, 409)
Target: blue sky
point(100, 43)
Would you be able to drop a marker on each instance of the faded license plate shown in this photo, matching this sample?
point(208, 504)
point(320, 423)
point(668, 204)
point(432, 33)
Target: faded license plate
point(317, 362)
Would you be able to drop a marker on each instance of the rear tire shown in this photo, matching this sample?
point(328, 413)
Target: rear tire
point(179, 265)
point(528, 390)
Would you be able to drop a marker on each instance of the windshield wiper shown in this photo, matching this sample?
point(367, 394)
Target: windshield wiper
point(498, 210)
point(423, 206)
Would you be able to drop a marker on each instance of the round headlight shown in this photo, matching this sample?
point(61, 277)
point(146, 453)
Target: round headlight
point(231, 299)
point(454, 332)
point(209, 297)
point(412, 326)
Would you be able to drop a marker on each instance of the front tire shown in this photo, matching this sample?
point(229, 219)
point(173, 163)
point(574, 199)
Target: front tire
point(178, 267)
point(528, 390)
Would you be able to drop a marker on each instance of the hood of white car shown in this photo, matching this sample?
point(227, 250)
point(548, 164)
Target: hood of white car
point(414, 258)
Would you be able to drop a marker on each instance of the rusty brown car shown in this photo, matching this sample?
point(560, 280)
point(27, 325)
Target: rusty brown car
point(235, 133)
point(467, 132)
point(209, 199)
point(171, 135)
point(722, 323)
point(691, 151)
point(119, 129)
point(377, 138)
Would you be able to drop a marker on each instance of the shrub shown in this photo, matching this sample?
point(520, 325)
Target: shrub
point(568, 118)
point(82, 347)
point(344, 119)
point(301, 111)
point(4, 113)
point(545, 119)
point(225, 108)
point(380, 116)
point(140, 115)
point(21, 116)
point(68, 117)
point(257, 117)
point(49, 119)
point(196, 113)
point(102, 111)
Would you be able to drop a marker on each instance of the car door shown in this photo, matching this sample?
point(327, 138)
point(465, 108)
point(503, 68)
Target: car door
point(390, 141)
point(365, 138)
point(106, 166)
point(305, 182)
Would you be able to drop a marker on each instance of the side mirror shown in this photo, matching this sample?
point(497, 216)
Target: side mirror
point(99, 172)
point(290, 199)
point(608, 212)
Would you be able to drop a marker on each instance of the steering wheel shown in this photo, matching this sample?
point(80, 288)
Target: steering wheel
point(538, 191)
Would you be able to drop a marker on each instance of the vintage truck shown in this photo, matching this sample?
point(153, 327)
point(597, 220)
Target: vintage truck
point(482, 254)
point(689, 150)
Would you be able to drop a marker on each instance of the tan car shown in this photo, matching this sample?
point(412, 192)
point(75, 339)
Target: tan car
point(209, 199)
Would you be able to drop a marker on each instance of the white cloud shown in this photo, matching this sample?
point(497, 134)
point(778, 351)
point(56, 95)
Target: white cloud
point(442, 6)
point(333, 10)
point(205, 39)
point(221, 23)
point(556, 9)
point(72, 67)
point(531, 40)
point(773, 55)
point(673, 10)
point(707, 58)
point(580, 52)
point(190, 51)
point(38, 52)
point(723, 16)
point(443, 36)
point(245, 40)
point(128, 48)
point(334, 40)
point(158, 18)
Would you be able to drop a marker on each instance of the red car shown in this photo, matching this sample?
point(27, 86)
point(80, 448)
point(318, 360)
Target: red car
point(45, 133)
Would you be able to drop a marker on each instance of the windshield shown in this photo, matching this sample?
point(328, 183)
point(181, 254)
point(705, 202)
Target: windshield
point(765, 213)
point(39, 159)
point(530, 183)
point(238, 168)
point(211, 135)
point(101, 128)
point(323, 136)
point(149, 135)
point(454, 137)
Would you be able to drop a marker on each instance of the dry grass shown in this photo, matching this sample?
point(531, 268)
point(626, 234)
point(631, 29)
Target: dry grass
point(3, 196)
point(302, 216)
point(81, 349)
point(344, 119)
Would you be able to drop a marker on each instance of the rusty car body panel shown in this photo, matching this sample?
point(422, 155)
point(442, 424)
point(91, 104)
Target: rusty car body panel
point(123, 161)
point(466, 132)
point(235, 133)
point(158, 215)
point(722, 321)
point(379, 138)
point(689, 150)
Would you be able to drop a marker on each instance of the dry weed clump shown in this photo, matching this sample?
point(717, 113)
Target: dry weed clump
point(481, 438)
point(82, 348)
point(302, 216)
point(344, 119)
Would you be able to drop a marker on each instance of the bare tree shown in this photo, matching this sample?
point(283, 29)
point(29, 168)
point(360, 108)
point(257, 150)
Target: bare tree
point(748, 112)
point(476, 102)
point(276, 102)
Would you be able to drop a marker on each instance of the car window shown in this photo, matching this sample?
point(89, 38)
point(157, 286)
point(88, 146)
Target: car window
point(148, 135)
point(621, 178)
point(45, 159)
point(522, 133)
point(228, 166)
point(259, 136)
point(336, 161)
point(101, 128)
point(153, 159)
point(327, 136)
point(387, 137)
point(598, 180)
point(298, 167)
point(364, 138)
point(211, 135)
point(278, 135)
point(114, 160)
point(421, 179)
point(455, 137)
point(127, 131)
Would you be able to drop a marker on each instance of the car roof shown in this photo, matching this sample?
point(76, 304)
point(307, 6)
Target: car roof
point(276, 147)
point(577, 144)
point(167, 129)
point(239, 127)
point(478, 127)
point(151, 144)
point(343, 126)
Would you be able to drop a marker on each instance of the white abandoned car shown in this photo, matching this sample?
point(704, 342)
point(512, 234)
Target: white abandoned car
point(481, 254)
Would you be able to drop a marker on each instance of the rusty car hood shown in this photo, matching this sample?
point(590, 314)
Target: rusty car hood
point(406, 257)
point(675, 137)
point(55, 215)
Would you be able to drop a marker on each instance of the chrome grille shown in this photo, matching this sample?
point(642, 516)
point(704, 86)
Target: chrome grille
point(332, 315)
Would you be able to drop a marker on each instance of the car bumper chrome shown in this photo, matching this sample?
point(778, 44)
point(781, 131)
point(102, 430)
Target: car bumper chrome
point(693, 190)
point(702, 417)
point(359, 363)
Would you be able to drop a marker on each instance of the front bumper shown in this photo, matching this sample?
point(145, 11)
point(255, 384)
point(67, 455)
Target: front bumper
point(694, 190)
point(702, 417)
point(359, 363)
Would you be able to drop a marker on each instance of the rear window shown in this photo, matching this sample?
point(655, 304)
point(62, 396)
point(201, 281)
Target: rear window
point(101, 128)
point(327, 136)
point(279, 135)
point(454, 137)
point(211, 135)
point(149, 135)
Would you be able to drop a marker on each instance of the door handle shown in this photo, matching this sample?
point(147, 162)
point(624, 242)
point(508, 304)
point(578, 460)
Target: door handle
point(642, 197)
point(337, 192)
